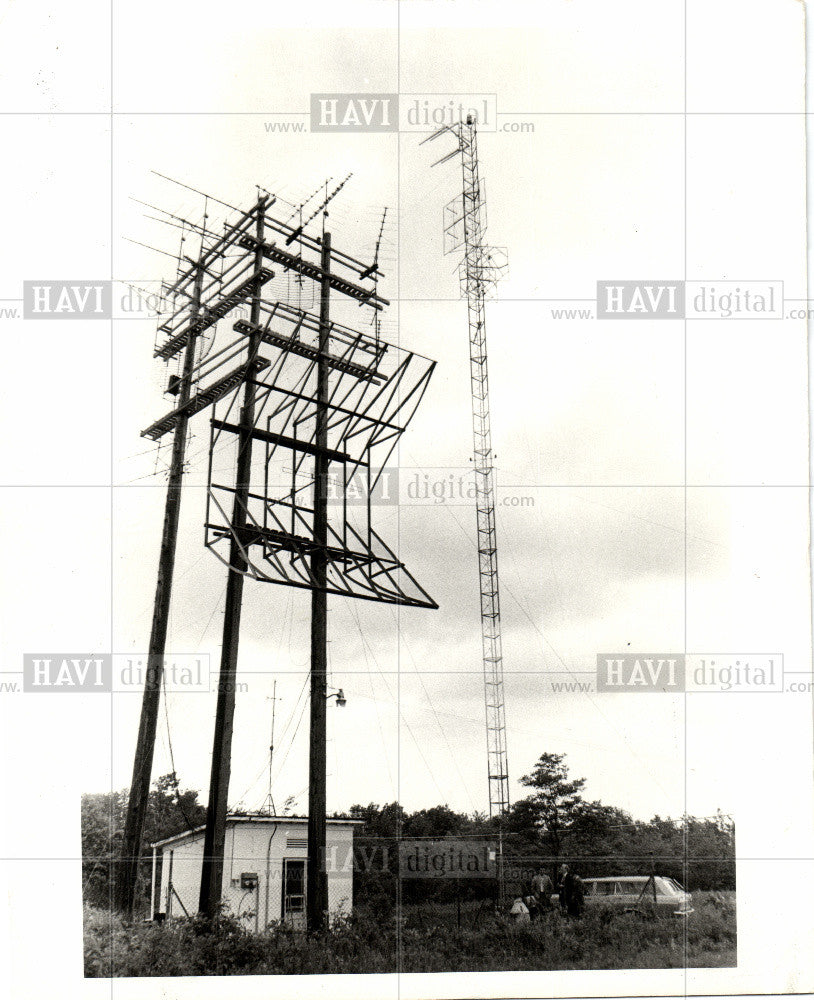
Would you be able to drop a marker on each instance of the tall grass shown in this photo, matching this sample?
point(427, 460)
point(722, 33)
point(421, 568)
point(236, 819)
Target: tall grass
point(428, 942)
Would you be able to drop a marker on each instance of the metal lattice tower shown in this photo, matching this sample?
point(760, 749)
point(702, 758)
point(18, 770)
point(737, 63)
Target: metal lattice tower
point(465, 225)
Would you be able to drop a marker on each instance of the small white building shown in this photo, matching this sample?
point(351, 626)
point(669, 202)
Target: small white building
point(263, 869)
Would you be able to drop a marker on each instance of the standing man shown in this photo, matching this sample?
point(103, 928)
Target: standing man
point(542, 888)
point(572, 894)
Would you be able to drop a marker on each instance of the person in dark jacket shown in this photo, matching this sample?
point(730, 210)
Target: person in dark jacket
point(572, 893)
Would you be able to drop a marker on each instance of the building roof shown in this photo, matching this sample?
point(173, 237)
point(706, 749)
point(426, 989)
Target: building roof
point(262, 818)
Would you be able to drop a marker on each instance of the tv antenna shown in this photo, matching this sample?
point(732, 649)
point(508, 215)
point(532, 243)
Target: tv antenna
point(320, 208)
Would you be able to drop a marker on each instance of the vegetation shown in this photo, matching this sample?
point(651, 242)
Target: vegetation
point(438, 924)
point(555, 823)
point(552, 824)
point(169, 811)
point(419, 942)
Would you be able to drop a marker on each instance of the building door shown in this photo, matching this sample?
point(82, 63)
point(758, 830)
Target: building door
point(294, 891)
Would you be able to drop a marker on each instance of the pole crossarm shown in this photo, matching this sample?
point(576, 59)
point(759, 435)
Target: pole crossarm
point(367, 296)
point(290, 343)
point(206, 397)
point(211, 314)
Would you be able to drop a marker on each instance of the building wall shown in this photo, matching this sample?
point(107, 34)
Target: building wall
point(184, 858)
point(258, 847)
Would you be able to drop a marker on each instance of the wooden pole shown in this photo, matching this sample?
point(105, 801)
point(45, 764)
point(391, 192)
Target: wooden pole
point(316, 881)
point(127, 871)
point(215, 834)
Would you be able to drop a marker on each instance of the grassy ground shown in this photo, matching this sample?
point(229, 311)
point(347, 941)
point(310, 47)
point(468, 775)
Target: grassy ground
point(429, 941)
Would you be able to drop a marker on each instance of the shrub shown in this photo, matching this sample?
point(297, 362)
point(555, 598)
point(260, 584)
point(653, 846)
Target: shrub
point(362, 943)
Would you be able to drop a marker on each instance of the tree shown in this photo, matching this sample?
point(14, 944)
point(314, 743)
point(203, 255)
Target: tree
point(605, 833)
point(169, 811)
point(546, 816)
point(555, 821)
point(102, 820)
point(380, 821)
point(438, 821)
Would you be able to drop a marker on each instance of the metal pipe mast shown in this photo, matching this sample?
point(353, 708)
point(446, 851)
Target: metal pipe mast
point(479, 270)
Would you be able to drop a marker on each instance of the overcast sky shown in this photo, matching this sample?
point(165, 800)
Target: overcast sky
point(636, 447)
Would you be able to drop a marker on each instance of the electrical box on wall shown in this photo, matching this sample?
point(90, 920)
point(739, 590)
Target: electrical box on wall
point(248, 880)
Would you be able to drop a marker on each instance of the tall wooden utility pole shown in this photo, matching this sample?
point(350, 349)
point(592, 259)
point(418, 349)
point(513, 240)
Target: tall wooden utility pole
point(215, 834)
point(273, 533)
point(127, 872)
point(316, 878)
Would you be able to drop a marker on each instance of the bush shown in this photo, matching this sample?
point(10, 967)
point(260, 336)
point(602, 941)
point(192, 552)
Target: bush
point(422, 942)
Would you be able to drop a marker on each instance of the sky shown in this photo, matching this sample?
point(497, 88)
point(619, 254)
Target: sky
point(648, 473)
